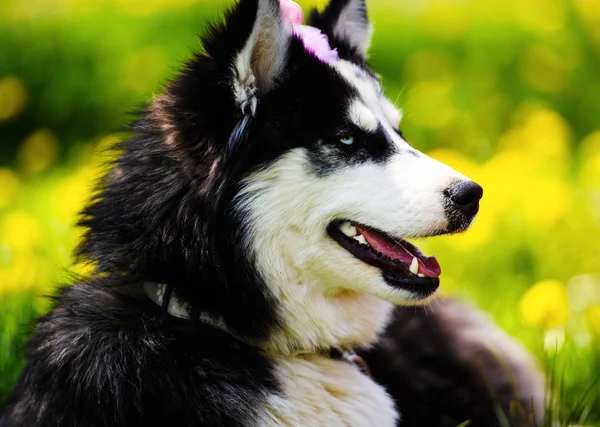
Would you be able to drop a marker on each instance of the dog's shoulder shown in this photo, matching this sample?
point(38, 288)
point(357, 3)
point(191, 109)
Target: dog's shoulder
point(103, 357)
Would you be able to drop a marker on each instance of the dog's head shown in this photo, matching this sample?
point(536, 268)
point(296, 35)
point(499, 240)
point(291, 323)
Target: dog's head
point(296, 173)
point(340, 188)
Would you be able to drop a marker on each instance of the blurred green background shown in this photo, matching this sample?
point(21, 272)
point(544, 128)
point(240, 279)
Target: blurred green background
point(506, 91)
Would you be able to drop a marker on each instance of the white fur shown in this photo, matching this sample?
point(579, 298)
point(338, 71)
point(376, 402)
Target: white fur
point(321, 392)
point(328, 297)
point(393, 115)
point(371, 96)
point(362, 116)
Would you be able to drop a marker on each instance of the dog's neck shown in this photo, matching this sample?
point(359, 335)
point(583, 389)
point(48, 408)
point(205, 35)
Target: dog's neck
point(302, 334)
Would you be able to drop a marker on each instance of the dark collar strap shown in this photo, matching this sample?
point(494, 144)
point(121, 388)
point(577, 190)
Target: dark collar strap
point(163, 296)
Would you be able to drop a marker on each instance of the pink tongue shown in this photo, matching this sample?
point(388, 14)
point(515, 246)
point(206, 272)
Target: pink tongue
point(427, 265)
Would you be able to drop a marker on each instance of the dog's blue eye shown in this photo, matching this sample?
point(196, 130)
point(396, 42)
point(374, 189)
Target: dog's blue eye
point(347, 141)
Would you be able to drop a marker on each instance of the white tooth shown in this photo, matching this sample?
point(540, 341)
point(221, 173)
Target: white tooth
point(348, 229)
point(421, 275)
point(414, 266)
point(344, 226)
point(361, 239)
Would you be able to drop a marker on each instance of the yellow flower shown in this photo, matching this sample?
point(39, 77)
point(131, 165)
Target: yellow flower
point(593, 319)
point(590, 145)
point(20, 231)
point(25, 272)
point(542, 140)
point(548, 204)
point(456, 160)
point(73, 192)
point(483, 230)
point(9, 187)
point(541, 16)
point(589, 10)
point(12, 97)
point(545, 305)
point(589, 172)
point(38, 152)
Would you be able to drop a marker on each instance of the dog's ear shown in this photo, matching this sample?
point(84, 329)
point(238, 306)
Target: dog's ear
point(252, 46)
point(347, 26)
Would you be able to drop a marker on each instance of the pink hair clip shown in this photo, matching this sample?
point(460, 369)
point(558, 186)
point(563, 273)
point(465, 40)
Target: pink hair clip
point(291, 12)
point(314, 40)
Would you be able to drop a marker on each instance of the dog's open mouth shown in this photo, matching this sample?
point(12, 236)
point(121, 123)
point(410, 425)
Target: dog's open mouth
point(402, 263)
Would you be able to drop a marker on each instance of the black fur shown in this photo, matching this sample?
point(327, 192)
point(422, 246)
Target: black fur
point(165, 215)
point(108, 356)
point(329, 153)
point(327, 20)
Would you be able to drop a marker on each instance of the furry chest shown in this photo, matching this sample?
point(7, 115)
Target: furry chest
point(320, 391)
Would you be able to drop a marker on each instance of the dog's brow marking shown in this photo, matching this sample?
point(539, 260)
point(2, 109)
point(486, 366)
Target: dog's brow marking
point(386, 115)
point(362, 116)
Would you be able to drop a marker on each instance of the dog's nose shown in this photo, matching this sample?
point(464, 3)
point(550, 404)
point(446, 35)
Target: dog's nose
point(465, 197)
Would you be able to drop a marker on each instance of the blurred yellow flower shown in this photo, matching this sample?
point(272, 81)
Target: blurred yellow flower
point(589, 10)
point(544, 136)
point(502, 178)
point(549, 202)
point(483, 230)
point(542, 16)
point(545, 305)
point(71, 194)
point(25, 272)
point(13, 97)
point(9, 187)
point(590, 145)
point(38, 152)
point(593, 319)
point(456, 160)
point(589, 173)
point(21, 231)
point(484, 226)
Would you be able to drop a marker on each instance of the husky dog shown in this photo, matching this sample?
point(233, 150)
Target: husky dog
point(251, 233)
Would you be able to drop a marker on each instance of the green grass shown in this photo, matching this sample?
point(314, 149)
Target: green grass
point(17, 314)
